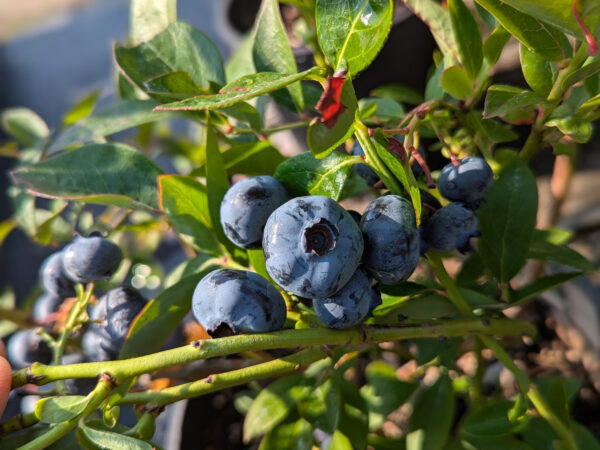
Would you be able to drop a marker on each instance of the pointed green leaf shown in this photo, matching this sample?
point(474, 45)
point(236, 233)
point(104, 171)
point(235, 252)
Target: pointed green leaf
point(467, 36)
point(501, 99)
point(121, 116)
point(507, 220)
point(245, 88)
point(580, 130)
point(494, 44)
point(543, 249)
point(179, 47)
point(529, 30)
point(147, 18)
point(108, 174)
point(539, 73)
point(398, 92)
point(185, 203)
point(432, 416)
point(322, 140)
point(293, 435)
point(354, 418)
point(351, 33)
point(537, 287)
point(273, 404)
point(339, 441)
point(439, 23)
point(241, 62)
point(456, 82)
point(490, 420)
point(271, 49)
point(305, 175)
point(81, 110)
point(322, 407)
point(24, 125)
point(61, 408)
point(91, 437)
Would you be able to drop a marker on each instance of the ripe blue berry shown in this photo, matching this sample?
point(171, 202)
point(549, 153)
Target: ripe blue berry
point(123, 304)
point(53, 278)
point(237, 301)
point(391, 239)
point(91, 258)
point(312, 246)
point(26, 347)
point(450, 228)
point(466, 182)
point(45, 305)
point(350, 305)
point(246, 207)
point(97, 346)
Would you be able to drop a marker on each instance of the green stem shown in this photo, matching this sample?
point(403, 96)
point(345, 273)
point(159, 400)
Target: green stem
point(217, 382)
point(41, 374)
point(17, 423)
point(520, 376)
point(477, 383)
point(287, 126)
point(96, 397)
point(371, 158)
point(546, 412)
point(436, 263)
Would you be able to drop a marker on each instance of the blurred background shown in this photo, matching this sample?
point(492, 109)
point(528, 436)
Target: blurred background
point(54, 52)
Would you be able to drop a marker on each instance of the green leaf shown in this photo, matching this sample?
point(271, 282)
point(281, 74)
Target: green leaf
point(179, 48)
point(24, 125)
point(354, 418)
point(147, 18)
point(541, 248)
point(468, 37)
point(491, 443)
point(456, 82)
point(241, 62)
point(493, 130)
point(293, 435)
point(494, 44)
point(244, 112)
point(339, 441)
point(439, 23)
point(273, 404)
point(529, 30)
point(402, 172)
point(425, 306)
point(351, 33)
point(433, 89)
point(159, 318)
point(271, 50)
point(322, 140)
point(6, 226)
point(380, 110)
point(539, 73)
point(256, 258)
point(125, 114)
point(501, 99)
point(580, 130)
point(398, 92)
point(59, 409)
point(185, 203)
point(559, 14)
point(254, 158)
point(541, 436)
point(507, 220)
point(305, 175)
point(81, 110)
point(535, 288)
point(589, 105)
point(432, 416)
point(94, 438)
point(384, 392)
point(172, 86)
point(107, 174)
point(245, 88)
point(558, 400)
point(490, 420)
point(322, 407)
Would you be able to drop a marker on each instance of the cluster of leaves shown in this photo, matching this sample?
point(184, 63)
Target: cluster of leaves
point(170, 70)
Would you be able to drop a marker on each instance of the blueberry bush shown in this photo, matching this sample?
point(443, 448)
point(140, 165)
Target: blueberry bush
point(340, 319)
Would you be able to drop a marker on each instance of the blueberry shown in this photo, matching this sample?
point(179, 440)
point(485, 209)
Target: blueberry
point(237, 301)
point(246, 207)
point(122, 305)
point(98, 347)
point(450, 228)
point(45, 305)
point(350, 305)
point(363, 170)
point(91, 258)
point(312, 246)
point(466, 182)
point(53, 278)
point(26, 347)
point(391, 239)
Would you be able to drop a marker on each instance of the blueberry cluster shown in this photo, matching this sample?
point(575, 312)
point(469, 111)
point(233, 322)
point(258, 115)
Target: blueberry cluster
point(315, 249)
point(83, 260)
point(463, 183)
